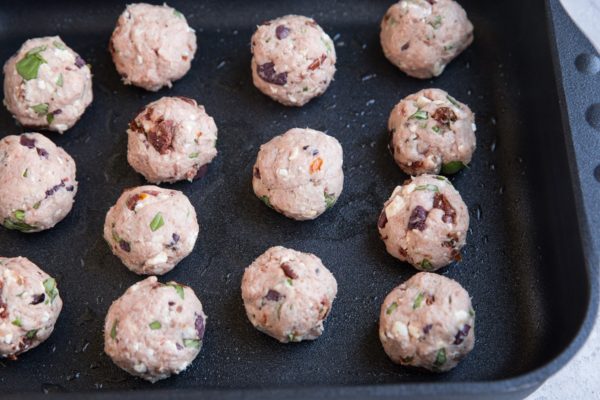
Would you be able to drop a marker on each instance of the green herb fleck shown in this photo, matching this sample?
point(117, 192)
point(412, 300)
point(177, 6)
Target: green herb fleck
point(471, 312)
point(291, 337)
point(49, 118)
point(440, 178)
point(194, 155)
point(435, 128)
point(59, 45)
point(279, 310)
point(31, 334)
point(60, 81)
point(289, 282)
point(51, 291)
point(426, 265)
point(18, 225)
point(431, 188)
point(155, 325)
point(327, 44)
point(19, 215)
point(452, 167)
point(453, 101)
point(40, 109)
point(157, 222)
point(305, 89)
point(29, 65)
point(25, 173)
point(193, 343)
point(265, 199)
point(37, 205)
point(177, 14)
point(330, 200)
point(440, 357)
point(178, 288)
point(448, 47)
point(418, 300)
point(420, 114)
point(17, 322)
point(391, 308)
point(437, 22)
point(113, 331)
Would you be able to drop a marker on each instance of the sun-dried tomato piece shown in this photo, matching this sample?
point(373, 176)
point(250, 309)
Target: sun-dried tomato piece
point(315, 165)
point(318, 62)
point(440, 201)
point(267, 73)
point(461, 334)
point(256, 173)
point(444, 115)
point(382, 221)
point(417, 218)
point(199, 325)
point(282, 32)
point(27, 142)
point(288, 271)
point(3, 305)
point(161, 136)
point(273, 295)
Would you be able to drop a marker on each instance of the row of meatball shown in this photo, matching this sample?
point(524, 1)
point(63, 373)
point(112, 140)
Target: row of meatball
point(157, 329)
point(48, 85)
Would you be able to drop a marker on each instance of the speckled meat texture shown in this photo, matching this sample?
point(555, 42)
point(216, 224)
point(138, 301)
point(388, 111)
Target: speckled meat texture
point(422, 36)
point(154, 330)
point(47, 85)
point(288, 294)
point(172, 139)
point(151, 229)
point(29, 306)
point(425, 223)
point(293, 59)
point(299, 173)
point(427, 322)
point(431, 132)
point(37, 182)
point(152, 46)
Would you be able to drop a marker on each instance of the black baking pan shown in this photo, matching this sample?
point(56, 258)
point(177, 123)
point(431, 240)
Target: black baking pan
point(531, 259)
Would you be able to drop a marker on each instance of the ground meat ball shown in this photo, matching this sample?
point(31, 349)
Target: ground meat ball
point(172, 139)
point(154, 330)
point(293, 59)
point(37, 183)
point(427, 322)
point(29, 306)
point(151, 229)
point(47, 85)
point(288, 294)
point(422, 36)
point(425, 223)
point(299, 173)
point(152, 46)
point(432, 132)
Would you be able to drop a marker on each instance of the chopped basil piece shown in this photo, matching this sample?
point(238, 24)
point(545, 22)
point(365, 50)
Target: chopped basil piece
point(437, 22)
point(37, 205)
point(157, 222)
point(60, 81)
point(40, 109)
point(51, 291)
point(113, 331)
point(49, 118)
point(19, 215)
point(431, 188)
point(177, 14)
point(291, 337)
point(178, 288)
point(193, 343)
point(17, 322)
point(471, 312)
point(418, 300)
point(194, 155)
point(18, 225)
point(155, 325)
point(435, 128)
point(25, 173)
point(265, 199)
point(452, 167)
point(420, 114)
point(289, 282)
point(31, 334)
point(440, 178)
point(426, 265)
point(29, 65)
point(440, 357)
point(453, 100)
point(391, 308)
point(59, 45)
point(330, 200)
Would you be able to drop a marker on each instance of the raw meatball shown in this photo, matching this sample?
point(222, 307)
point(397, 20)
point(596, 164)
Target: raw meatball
point(37, 182)
point(154, 330)
point(172, 139)
point(425, 223)
point(151, 229)
point(427, 322)
point(432, 132)
point(288, 294)
point(299, 173)
point(152, 46)
point(47, 85)
point(293, 59)
point(29, 306)
point(422, 36)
